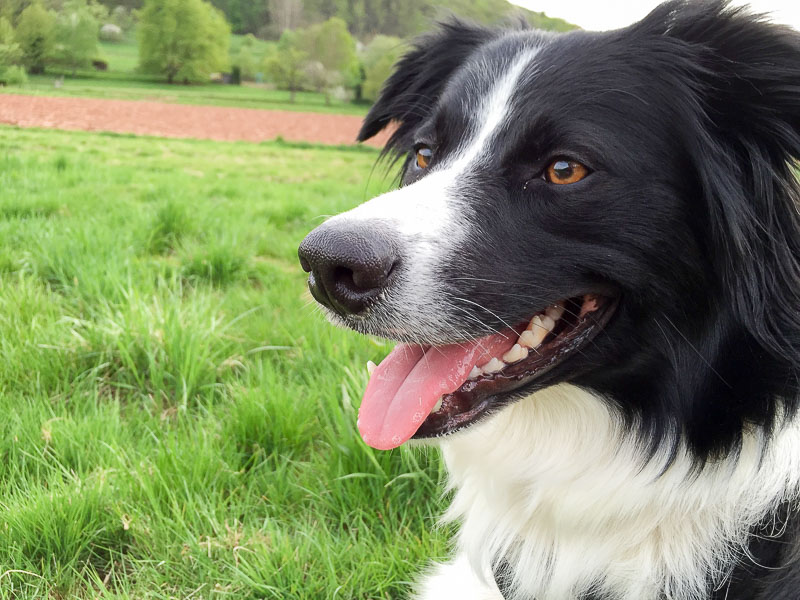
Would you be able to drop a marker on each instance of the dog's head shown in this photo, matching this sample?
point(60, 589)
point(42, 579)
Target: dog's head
point(613, 209)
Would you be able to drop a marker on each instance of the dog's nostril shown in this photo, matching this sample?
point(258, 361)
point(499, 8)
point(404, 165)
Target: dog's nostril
point(304, 263)
point(346, 277)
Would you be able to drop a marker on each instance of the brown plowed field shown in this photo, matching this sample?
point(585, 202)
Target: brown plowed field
point(179, 120)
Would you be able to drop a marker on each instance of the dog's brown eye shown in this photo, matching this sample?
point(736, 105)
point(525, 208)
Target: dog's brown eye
point(424, 156)
point(563, 171)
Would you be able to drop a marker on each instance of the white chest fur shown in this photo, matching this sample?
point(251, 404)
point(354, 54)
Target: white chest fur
point(555, 484)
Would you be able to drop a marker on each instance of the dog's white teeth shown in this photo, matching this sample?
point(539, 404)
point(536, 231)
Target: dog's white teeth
point(371, 367)
point(548, 323)
point(438, 406)
point(493, 366)
point(516, 354)
point(475, 373)
point(555, 312)
point(532, 338)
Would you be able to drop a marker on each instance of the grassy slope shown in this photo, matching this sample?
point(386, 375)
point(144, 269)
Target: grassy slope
point(178, 418)
point(122, 82)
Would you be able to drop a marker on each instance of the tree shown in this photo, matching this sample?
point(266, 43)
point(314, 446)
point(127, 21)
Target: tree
point(123, 17)
point(76, 35)
point(286, 65)
point(378, 59)
point(245, 16)
point(10, 56)
point(185, 40)
point(245, 58)
point(35, 35)
point(330, 45)
point(10, 52)
point(286, 14)
point(11, 9)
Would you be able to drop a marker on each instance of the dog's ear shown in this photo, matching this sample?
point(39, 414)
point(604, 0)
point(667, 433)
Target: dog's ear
point(746, 77)
point(419, 78)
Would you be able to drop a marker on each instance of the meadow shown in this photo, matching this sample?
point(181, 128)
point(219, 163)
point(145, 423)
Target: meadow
point(122, 81)
point(179, 419)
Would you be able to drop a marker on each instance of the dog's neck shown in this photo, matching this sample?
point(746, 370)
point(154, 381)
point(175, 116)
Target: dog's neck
point(556, 487)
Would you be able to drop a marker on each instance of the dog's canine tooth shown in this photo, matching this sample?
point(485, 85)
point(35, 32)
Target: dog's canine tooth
point(475, 373)
point(493, 366)
point(438, 406)
point(555, 312)
point(516, 354)
point(371, 366)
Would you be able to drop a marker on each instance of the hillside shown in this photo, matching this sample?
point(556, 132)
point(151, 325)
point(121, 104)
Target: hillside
point(365, 18)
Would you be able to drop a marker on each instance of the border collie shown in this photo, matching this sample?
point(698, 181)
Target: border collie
point(592, 268)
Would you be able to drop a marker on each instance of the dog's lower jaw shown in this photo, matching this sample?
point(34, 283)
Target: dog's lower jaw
point(557, 487)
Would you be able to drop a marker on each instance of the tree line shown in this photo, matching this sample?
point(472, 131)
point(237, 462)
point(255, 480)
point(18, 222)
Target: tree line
point(365, 19)
point(35, 35)
point(188, 41)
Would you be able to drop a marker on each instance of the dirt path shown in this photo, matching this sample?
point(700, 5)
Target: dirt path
point(179, 120)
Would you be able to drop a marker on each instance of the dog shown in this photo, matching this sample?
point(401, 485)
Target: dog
point(592, 271)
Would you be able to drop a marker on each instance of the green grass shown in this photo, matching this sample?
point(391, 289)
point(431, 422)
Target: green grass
point(179, 420)
point(122, 57)
point(123, 82)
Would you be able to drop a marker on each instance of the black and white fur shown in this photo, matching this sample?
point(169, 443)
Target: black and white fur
point(663, 461)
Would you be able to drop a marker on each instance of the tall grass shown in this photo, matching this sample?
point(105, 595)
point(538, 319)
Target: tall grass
point(179, 421)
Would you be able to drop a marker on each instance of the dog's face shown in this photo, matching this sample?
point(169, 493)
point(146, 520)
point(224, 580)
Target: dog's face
point(574, 208)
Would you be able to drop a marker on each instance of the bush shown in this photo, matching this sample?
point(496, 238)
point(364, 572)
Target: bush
point(14, 75)
point(111, 33)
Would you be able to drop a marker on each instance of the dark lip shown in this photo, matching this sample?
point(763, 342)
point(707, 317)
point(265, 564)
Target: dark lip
point(476, 399)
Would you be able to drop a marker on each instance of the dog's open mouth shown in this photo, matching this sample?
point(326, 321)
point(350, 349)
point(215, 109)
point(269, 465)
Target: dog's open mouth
point(429, 391)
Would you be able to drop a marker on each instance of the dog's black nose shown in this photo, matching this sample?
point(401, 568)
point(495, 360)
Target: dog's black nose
point(348, 266)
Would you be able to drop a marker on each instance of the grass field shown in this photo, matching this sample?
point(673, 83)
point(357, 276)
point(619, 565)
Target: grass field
point(123, 82)
point(179, 420)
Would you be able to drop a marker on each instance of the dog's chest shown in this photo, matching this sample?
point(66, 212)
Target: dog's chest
point(551, 485)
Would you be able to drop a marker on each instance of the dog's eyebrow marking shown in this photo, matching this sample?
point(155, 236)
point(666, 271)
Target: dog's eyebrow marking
point(493, 112)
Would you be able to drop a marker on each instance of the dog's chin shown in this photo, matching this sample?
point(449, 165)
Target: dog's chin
point(516, 362)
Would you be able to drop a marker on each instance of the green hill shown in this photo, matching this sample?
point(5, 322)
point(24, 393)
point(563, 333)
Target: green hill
point(365, 18)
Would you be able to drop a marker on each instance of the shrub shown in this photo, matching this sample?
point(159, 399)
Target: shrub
point(13, 75)
point(111, 33)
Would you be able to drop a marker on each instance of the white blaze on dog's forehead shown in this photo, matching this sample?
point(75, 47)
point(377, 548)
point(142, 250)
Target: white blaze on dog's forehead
point(432, 206)
point(493, 112)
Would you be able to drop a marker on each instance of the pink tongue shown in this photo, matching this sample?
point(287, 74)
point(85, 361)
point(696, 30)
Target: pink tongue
point(404, 388)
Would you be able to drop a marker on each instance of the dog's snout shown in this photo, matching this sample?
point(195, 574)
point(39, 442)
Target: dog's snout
point(348, 266)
